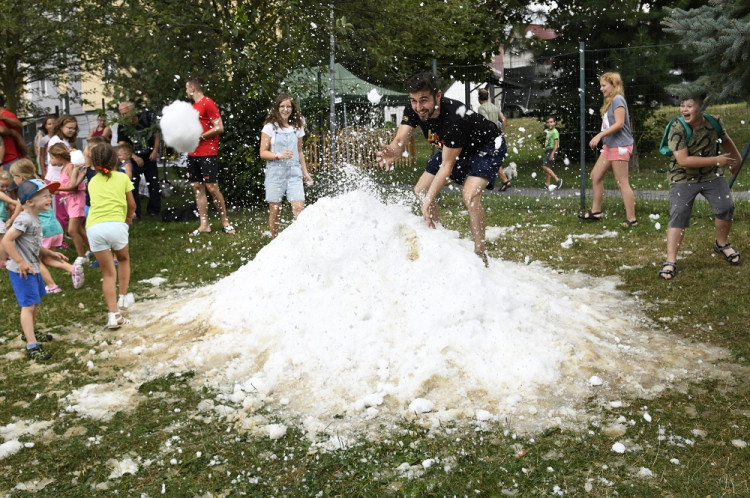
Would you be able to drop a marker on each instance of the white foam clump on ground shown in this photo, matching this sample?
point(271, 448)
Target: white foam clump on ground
point(100, 401)
point(9, 448)
point(358, 301)
point(122, 467)
point(618, 448)
point(180, 126)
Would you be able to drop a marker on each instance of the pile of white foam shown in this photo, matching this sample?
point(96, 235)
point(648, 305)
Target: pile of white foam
point(358, 315)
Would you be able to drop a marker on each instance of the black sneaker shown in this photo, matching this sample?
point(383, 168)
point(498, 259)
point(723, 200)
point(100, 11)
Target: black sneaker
point(558, 183)
point(39, 337)
point(38, 353)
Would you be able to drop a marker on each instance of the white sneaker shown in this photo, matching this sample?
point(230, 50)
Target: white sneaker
point(116, 320)
point(80, 261)
point(125, 301)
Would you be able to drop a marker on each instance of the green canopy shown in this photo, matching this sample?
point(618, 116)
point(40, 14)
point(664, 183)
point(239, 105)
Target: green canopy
point(303, 83)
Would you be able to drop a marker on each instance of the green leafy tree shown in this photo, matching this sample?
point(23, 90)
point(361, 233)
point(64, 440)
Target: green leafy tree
point(391, 40)
point(41, 40)
point(719, 32)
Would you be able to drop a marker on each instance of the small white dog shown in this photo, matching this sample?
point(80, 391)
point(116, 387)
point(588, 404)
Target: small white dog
point(511, 171)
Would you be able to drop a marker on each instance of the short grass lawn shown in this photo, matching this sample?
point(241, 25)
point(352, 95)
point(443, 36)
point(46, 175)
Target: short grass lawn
point(693, 443)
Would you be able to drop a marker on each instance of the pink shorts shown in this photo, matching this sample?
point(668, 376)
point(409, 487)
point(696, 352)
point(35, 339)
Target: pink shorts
point(617, 153)
point(53, 242)
point(75, 204)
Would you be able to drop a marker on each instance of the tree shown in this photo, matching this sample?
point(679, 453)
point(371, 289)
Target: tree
point(720, 33)
point(39, 40)
point(391, 40)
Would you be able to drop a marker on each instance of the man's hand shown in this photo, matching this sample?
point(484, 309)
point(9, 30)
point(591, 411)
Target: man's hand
point(385, 156)
point(427, 212)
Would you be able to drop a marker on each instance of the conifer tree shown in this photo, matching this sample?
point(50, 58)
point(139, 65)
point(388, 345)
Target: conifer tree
point(719, 32)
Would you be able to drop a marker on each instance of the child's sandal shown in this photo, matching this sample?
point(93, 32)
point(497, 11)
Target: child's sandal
point(733, 259)
point(668, 274)
point(591, 215)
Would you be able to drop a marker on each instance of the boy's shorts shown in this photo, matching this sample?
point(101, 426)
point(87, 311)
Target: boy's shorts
point(549, 161)
point(29, 290)
point(107, 235)
point(203, 169)
point(617, 153)
point(483, 165)
point(284, 179)
point(682, 195)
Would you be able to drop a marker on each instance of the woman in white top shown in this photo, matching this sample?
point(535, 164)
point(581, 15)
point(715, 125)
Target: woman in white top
point(65, 132)
point(286, 171)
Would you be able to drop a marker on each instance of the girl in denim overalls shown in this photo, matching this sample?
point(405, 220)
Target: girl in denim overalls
point(286, 171)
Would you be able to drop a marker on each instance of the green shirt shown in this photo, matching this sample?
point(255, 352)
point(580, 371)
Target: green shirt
point(552, 135)
point(704, 142)
point(108, 200)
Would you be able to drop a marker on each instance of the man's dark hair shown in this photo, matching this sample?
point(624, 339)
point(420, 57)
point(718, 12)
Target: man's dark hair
point(423, 81)
point(484, 95)
point(195, 82)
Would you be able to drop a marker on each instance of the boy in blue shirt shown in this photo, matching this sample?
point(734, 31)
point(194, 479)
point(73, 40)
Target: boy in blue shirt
point(23, 243)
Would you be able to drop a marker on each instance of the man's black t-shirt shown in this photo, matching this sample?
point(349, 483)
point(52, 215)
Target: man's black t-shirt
point(454, 127)
point(140, 135)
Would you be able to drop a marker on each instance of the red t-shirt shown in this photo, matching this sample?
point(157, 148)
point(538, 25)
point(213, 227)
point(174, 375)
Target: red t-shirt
point(11, 152)
point(207, 112)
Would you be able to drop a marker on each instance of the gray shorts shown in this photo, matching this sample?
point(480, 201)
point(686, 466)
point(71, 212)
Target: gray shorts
point(548, 160)
point(682, 196)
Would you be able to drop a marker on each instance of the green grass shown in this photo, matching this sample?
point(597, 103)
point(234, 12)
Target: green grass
point(192, 457)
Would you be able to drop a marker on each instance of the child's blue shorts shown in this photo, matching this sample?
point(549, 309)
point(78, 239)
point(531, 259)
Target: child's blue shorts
point(29, 290)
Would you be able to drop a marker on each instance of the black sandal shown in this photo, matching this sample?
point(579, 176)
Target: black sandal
point(733, 259)
point(664, 273)
point(505, 186)
point(629, 224)
point(591, 216)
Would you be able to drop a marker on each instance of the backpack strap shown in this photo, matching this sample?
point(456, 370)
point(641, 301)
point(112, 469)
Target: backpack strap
point(714, 124)
point(664, 145)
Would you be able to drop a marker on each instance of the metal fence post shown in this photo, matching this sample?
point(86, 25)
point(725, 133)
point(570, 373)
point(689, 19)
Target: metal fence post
point(582, 94)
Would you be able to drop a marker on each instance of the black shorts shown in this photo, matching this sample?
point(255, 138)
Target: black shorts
point(484, 164)
point(203, 169)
